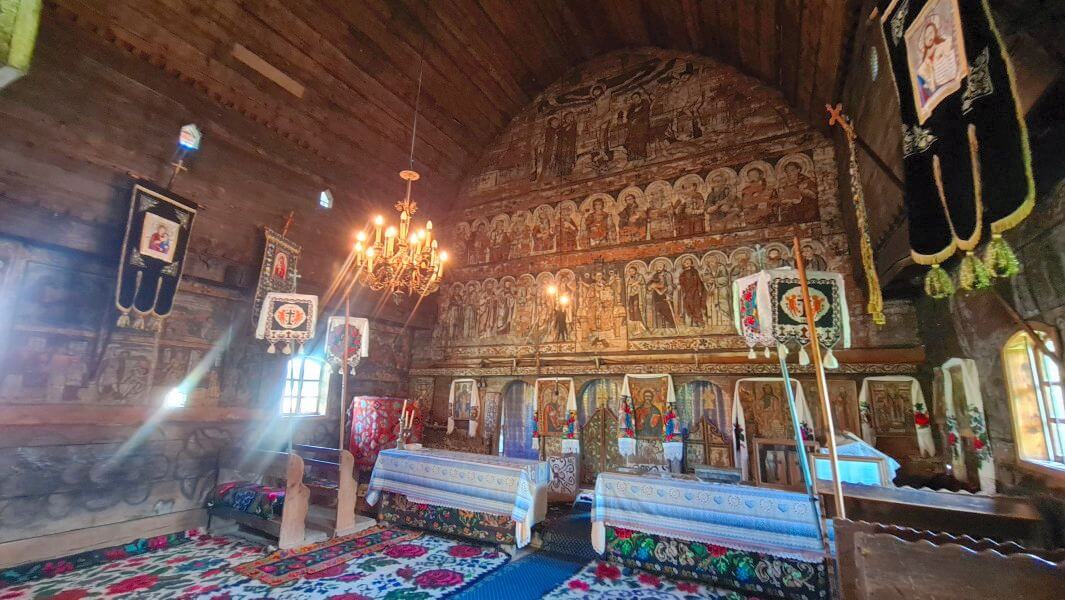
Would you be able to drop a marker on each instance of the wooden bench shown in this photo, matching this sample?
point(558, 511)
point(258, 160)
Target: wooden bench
point(319, 498)
point(883, 562)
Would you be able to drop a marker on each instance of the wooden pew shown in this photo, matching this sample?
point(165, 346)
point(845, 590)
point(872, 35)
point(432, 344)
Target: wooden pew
point(883, 562)
point(344, 494)
point(290, 529)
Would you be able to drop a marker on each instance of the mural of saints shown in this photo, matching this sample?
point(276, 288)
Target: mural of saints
point(543, 232)
point(660, 293)
point(600, 225)
point(568, 227)
point(758, 194)
point(723, 211)
point(796, 189)
point(632, 216)
point(692, 293)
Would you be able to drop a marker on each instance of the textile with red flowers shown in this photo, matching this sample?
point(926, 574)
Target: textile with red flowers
point(598, 580)
point(764, 575)
point(484, 527)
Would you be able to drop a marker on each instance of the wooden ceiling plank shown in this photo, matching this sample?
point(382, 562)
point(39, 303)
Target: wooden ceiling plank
point(749, 37)
point(339, 108)
point(588, 21)
point(521, 41)
point(693, 25)
point(710, 18)
point(665, 25)
point(768, 51)
point(728, 22)
point(459, 13)
point(831, 62)
point(392, 54)
point(331, 45)
point(468, 47)
point(560, 18)
point(790, 33)
point(625, 15)
point(813, 14)
point(345, 137)
point(558, 54)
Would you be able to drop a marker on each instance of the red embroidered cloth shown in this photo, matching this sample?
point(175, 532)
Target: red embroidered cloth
point(375, 427)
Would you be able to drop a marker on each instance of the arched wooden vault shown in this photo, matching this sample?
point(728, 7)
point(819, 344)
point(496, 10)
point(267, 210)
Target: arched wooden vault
point(338, 78)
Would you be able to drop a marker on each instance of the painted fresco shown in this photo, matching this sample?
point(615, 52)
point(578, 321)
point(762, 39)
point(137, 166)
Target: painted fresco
point(610, 305)
point(621, 113)
point(724, 199)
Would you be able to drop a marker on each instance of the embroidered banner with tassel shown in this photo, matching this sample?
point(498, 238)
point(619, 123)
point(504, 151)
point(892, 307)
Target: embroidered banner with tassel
point(358, 342)
point(287, 319)
point(966, 158)
point(278, 270)
point(768, 309)
point(153, 256)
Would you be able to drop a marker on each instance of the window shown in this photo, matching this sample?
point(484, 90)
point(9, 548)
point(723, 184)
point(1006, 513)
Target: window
point(874, 63)
point(306, 387)
point(176, 398)
point(325, 199)
point(1034, 383)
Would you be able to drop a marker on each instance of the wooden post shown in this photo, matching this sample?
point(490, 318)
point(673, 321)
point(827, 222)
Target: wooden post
point(344, 369)
point(822, 383)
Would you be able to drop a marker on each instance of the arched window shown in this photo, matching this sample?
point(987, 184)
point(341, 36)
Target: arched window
point(306, 388)
point(1033, 378)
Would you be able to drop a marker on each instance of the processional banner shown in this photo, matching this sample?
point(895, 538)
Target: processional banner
point(966, 158)
point(153, 256)
point(357, 346)
point(768, 308)
point(287, 319)
point(277, 273)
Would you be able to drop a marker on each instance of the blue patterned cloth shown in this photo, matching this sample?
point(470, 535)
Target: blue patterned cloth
point(476, 482)
point(735, 516)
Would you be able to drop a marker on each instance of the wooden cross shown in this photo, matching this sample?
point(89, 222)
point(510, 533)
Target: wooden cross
point(838, 118)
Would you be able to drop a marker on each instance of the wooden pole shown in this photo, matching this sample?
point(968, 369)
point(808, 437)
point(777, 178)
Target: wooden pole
point(822, 383)
point(344, 369)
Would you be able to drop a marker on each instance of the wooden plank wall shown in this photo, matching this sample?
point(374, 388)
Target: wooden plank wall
point(86, 458)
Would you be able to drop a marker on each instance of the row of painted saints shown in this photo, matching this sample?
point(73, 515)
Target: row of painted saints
point(757, 195)
point(666, 297)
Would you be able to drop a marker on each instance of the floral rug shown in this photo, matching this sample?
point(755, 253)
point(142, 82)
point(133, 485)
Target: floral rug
point(425, 568)
point(604, 581)
point(284, 567)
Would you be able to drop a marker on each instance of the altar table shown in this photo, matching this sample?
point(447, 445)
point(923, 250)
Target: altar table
point(461, 493)
point(755, 540)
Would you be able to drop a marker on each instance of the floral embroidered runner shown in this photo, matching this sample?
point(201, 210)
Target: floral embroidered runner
point(762, 520)
point(283, 567)
point(474, 482)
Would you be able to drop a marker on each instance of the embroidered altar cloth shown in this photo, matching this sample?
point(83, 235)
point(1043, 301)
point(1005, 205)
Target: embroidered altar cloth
point(741, 517)
point(477, 482)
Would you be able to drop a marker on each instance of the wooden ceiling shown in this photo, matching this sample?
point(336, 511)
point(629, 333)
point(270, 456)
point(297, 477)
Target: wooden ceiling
point(358, 62)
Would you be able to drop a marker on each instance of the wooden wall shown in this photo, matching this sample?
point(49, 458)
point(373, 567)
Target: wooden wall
point(85, 453)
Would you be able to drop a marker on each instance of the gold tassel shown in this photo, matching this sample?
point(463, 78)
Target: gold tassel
point(1000, 258)
point(937, 283)
point(973, 273)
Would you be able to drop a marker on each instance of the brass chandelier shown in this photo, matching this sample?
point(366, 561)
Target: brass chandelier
point(401, 260)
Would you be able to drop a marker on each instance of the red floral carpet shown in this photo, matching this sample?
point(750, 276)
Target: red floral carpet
point(605, 581)
point(424, 568)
